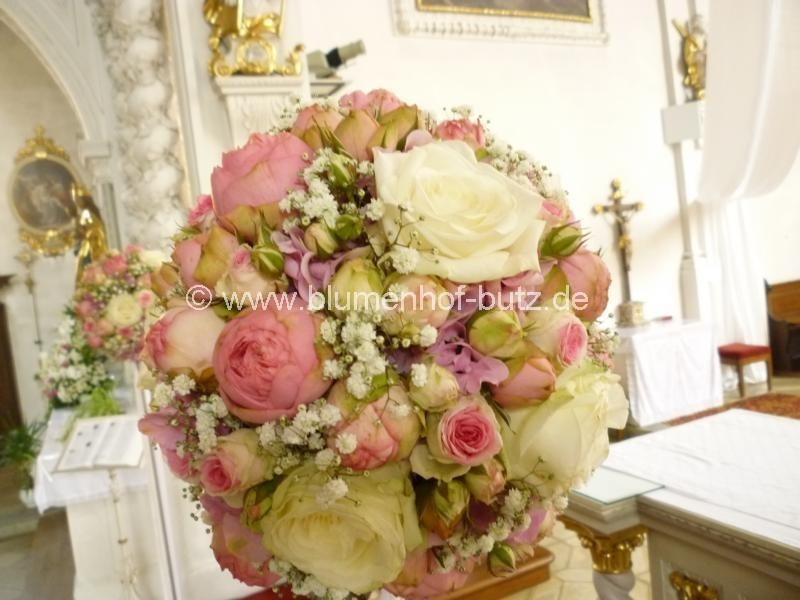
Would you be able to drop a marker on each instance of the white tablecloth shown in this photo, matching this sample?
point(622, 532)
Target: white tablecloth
point(60, 489)
point(739, 463)
point(669, 370)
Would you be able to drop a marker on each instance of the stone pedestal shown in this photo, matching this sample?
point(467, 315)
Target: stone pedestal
point(256, 103)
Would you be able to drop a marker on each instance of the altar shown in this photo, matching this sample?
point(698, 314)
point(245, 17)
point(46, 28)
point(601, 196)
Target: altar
point(717, 500)
point(668, 369)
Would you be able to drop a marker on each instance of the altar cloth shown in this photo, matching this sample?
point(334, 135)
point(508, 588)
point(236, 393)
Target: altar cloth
point(738, 460)
point(53, 489)
point(668, 370)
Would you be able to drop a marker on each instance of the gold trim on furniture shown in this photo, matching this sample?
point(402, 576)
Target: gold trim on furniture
point(687, 588)
point(611, 554)
point(422, 5)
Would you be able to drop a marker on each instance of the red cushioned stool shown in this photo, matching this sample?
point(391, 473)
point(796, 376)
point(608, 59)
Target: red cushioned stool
point(741, 355)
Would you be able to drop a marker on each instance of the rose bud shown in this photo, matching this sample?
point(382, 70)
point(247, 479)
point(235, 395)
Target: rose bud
point(462, 129)
point(163, 428)
point(201, 217)
point(559, 334)
point(377, 101)
point(242, 278)
point(486, 481)
point(467, 434)
point(394, 127)
point(252, 180)
point(355, 133)
point(562, 242)
point(342, 170)
point(256, 503)
point(312, 120)
point(530, 381)
point(419, 303)
point(502, 560)
point(236, 464)
point(320, 240)
point(444, 508)
point(356, 285)
point(266, 256)
point(440, 390)
point(496, 333)
point(182, 340)
point(385, 430)
point(582, 273)
point(215, 256)
point(348, 227)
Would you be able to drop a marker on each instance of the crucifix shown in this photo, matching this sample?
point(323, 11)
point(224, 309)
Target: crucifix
point(622, 212)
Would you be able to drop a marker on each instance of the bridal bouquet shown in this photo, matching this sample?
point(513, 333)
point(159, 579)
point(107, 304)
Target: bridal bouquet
point(70, 371)
point(375, 368)
point(112, 299)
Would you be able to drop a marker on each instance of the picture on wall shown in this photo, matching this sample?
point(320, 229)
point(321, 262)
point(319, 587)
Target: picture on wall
point(563, 21)
point(544, 9)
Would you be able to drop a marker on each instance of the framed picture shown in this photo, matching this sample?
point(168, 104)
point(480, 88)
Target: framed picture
point(565, 21)
point(40, 192)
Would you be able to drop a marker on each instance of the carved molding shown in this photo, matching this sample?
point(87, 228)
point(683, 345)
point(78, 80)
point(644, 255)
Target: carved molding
point(146, 133)
point(611, 554)
point(256, 104)
point(687, 588)
point(409, 20)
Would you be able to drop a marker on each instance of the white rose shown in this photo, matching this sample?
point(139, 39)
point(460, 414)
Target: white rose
point(557, 444)
point(123, 311)
point(152, 258)
point(482, 224)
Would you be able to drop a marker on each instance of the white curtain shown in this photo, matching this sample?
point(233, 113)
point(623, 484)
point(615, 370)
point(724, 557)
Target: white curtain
point(752, 135)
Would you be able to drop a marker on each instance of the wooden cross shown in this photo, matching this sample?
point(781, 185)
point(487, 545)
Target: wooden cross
point(622, 213)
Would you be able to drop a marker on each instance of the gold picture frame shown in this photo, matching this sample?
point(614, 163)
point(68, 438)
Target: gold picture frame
point(501, 8)
point(41, 197)
point(580, 22)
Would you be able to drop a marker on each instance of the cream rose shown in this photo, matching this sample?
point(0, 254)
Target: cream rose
point(359, 542)
point(557, 444)
point(124, 310)
point(482, 224)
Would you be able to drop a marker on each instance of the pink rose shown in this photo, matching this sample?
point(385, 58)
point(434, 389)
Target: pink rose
point(554, 213)
point(584, 272)
point(486, 481)
point(311, 120)
point(186, 257)
point(530, 381)
point(236, 464)
point(385, 429)
point(467, 434)
point(182, 339)
point(146, 298)
point(242, 277)
point(236, 548)
point(462, 129)
point(421, 302)
point(84, 308)
point(378, 101)
point(94, 341)
point(202, 214)
point(422, 575)
point(254, 178)
point(114, 265)
point(159, 427)
point(559, 334)
point(356, 132)
point(266, 363)
point(104, 328)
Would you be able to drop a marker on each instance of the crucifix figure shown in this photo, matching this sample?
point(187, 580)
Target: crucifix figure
point(622, 213)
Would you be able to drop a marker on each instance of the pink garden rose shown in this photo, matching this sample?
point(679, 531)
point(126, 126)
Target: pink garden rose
point(182, 340)
point(311, 120)
point(114, 265)
point(462, 129)
point(236, 464)
point(236, 548)
point(530, 381)
point(422, 575)
point(385, 429)
point(467, 434)
point(583, 272)
point(266, 363)
point(202, 214)
point(421, 302)
point(378, 101)
point(161, 429)
point(254, 178)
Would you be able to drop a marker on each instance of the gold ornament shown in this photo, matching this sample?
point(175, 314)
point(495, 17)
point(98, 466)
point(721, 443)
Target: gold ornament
point(91, 231)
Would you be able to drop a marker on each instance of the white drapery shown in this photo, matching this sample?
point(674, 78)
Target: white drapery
point(751, 140)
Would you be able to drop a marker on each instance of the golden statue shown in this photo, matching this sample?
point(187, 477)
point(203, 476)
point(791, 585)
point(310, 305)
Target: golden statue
point(245, 39)
point(693, 54)
point(92, 238)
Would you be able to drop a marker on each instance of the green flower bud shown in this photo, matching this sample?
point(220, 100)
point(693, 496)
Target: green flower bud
point(440, 390)
point(348, 227)
point(356, 285)
point(267, 259)
point(256, 504)
point(562, 241)
point(502, 560)
point(320, 240)
point(497, 333)
point(342, 170)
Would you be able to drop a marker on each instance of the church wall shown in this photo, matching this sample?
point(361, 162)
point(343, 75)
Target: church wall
point(591, 113)
point(29, 97)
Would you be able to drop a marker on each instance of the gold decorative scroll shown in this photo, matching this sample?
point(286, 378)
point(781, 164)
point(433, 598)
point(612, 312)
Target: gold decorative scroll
point(687, 588)
point(610, 553)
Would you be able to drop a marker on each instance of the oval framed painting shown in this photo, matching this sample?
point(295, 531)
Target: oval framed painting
point(41, 195)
